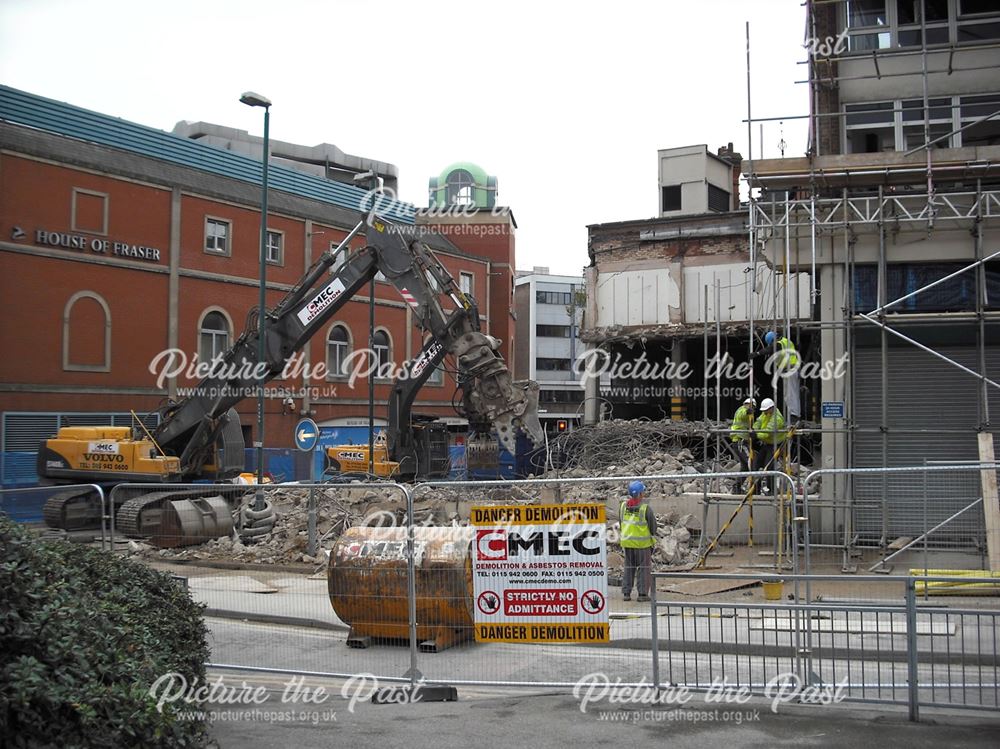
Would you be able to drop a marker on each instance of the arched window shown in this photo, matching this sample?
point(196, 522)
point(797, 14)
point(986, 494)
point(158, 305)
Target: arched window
point(214, 333)
point(338, 347)
point(383, 354)
point(460, 188)
point(86, 333)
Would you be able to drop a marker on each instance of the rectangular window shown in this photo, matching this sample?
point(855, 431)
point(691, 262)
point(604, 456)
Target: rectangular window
point(437, 376)
point(552, 331)
point(864, 13)
point(955, 295)
point(89, 211)
point(670, 198)
point(465, 283)
point(868, 24)
point(940, 123)
point(339, 261)
point(978, 20)
point(870, 127)
point(275, 247)
point(718, 199)
point(972, 108)
point(908, 22)
point(552, 365)
point(217, 236)
point(560, 396)
point(552, 297)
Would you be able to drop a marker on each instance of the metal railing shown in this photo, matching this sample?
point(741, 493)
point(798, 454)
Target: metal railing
point(908, 659)
point(811, 481)
point(106, 519)
point(893, 649)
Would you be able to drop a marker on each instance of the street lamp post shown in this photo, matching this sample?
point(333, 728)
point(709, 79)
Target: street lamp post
point(256, 100)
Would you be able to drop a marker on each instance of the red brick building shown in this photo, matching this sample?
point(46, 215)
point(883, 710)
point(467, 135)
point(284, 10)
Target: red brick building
point(120, 242)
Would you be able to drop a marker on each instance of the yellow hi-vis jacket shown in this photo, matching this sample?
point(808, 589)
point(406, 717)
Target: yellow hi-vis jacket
point(770, 427)
point(742, 424)
point(634, 528)
point(788, 356)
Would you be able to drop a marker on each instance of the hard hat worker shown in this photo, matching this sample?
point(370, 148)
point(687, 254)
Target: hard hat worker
point(638, 537)
point(741, 438)
point(785, 365)
point(770, 434)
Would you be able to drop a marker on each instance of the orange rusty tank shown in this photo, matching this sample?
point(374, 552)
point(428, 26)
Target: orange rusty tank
point(368, 585)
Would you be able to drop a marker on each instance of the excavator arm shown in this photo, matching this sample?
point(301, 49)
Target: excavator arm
point(490, 398)
point(191, 428)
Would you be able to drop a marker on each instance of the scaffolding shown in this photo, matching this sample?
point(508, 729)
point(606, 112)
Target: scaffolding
point(832, 213)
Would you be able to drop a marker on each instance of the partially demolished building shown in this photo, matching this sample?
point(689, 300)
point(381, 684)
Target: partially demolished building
point(877, 252)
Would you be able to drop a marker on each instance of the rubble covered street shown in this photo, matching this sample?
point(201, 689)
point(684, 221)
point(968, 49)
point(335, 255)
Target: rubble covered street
point(609, 449)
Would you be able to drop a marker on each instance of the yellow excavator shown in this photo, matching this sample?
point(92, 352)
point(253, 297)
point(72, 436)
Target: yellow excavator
point(199, 438)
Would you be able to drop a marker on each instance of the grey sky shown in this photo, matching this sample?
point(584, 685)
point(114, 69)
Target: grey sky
point(565, 102)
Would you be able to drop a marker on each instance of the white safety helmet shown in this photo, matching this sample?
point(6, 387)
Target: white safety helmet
point(766, 404)
point(749, 402)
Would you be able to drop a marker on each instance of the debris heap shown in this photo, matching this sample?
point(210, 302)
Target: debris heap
point(616, 448)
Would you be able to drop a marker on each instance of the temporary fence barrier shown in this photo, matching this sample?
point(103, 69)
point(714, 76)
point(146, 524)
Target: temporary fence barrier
point(876, 650)
point(24, 504)
point(926, 523)
point(395, 598)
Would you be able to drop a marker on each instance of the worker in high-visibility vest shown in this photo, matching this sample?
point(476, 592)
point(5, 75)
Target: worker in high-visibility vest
point(770, 434)
point(637, 522)
point(784, 364)
point(787, 368)
point(741, 438)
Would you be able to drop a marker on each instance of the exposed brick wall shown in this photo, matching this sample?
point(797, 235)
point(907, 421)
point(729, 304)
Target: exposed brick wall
point(621, 244)
point(824, 72)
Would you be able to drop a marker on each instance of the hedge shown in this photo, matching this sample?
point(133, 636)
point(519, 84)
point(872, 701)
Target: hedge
point(83, 636)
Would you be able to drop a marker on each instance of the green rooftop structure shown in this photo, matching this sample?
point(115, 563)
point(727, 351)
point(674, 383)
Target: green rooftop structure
point(462, 184)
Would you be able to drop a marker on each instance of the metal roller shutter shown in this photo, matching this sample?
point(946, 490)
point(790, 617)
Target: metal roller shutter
point(924, 394)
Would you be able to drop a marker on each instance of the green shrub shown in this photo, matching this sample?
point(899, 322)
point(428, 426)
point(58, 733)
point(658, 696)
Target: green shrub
point(83, 635)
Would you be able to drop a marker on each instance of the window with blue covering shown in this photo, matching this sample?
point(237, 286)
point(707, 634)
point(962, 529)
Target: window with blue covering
point(957, 294)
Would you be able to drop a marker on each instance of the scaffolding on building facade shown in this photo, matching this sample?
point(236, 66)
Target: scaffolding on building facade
point(814, 215)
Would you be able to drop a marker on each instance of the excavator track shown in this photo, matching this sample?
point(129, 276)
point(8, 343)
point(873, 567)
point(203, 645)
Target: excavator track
point(73, 510)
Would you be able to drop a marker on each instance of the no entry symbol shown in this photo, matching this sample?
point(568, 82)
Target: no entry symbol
point(592, 602)
point(488, 602)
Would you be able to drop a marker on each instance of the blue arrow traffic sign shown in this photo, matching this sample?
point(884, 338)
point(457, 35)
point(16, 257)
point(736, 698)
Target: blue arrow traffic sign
point(306, 434)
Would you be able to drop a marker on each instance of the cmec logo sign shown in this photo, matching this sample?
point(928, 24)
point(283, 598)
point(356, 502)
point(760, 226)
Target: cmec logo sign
point(500, 544)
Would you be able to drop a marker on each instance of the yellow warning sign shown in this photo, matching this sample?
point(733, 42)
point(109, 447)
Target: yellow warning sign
point(538, 514)
point(543, 632)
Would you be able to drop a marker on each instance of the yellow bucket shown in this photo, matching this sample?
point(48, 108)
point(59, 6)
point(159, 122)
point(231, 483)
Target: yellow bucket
point(773, 589)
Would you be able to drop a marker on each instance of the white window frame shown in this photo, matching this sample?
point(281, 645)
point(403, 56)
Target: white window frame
point(376, 349)
point(214, 333)
point(348, 347)
point(892, 27)
point(280, 246)
point(466, 283)
point(227, 250)
point(898, 126)
point(340, 259)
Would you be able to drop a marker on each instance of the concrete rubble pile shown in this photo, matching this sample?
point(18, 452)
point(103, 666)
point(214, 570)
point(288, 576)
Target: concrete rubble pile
point(337, 508)
point(609, 449)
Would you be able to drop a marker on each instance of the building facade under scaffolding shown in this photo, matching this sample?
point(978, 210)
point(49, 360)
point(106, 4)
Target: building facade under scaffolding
point(893, 219)
point(671, 300)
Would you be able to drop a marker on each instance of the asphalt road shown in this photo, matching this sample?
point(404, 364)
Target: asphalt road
point(488, 718)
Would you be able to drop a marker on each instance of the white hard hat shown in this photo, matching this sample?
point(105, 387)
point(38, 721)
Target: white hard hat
point(766, 404)
point(749, 402)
